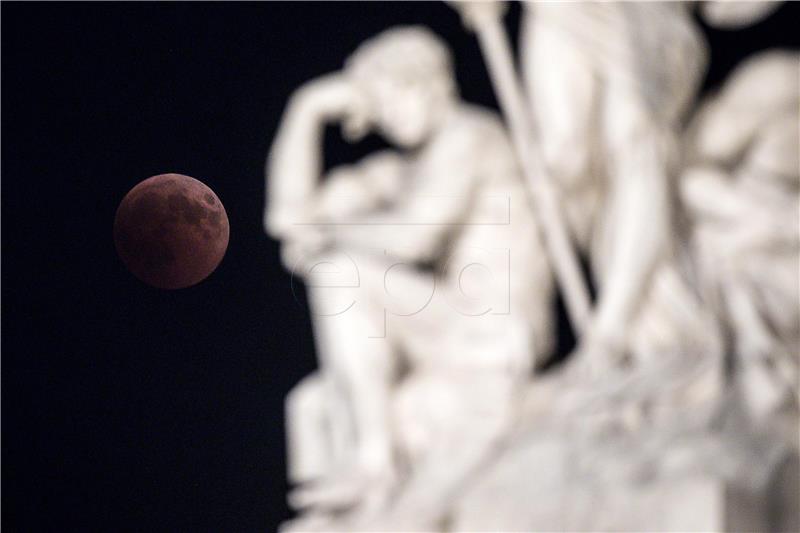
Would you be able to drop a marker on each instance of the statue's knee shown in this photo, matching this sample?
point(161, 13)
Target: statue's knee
point(305, 397)
point(412, 417)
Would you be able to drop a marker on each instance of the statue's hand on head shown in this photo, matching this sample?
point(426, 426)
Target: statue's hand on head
point(335, 98)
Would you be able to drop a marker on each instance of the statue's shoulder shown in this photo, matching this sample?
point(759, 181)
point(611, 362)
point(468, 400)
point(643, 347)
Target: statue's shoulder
point(482, 117)
point(475, 128)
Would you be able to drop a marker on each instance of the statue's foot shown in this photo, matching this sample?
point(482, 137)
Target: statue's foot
point(351, 501)
point(595, 360)
point(586, 382)
point(329, 493)
point(393, 522)
point(348, 490)
point(308, 523)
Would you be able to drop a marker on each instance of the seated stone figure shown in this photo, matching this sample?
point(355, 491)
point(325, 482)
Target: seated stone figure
point(440, 301)
point(742, 191)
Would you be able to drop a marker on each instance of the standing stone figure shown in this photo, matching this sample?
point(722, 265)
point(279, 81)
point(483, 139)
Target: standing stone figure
point(609, 85)
point(656, 439)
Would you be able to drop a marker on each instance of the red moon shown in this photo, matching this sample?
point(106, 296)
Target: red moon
point(171, 231)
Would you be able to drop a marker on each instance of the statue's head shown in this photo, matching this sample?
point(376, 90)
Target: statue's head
point(407, 75)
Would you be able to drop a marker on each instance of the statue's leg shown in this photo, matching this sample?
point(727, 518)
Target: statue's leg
point(450, 422)
point(308, 442)
point(458, 400)
point(357, 362)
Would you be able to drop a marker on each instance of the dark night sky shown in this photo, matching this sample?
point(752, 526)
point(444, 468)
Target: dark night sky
point(130, 408)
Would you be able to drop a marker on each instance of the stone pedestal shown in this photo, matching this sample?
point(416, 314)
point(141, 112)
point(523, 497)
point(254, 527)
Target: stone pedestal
point(541, 485)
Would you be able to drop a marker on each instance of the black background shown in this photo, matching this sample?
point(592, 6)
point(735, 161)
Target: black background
point(130, 408)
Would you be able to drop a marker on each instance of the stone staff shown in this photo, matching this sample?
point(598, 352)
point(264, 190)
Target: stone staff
point(484, 18)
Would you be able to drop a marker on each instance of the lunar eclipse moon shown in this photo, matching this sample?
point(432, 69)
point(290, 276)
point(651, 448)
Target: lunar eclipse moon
point(171, 231)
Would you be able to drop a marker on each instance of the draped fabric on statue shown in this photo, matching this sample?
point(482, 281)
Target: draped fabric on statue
point(646, 43)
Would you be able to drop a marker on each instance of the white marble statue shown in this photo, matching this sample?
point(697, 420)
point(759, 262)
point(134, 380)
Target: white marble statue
point(422, 357)
point(742, 192)
point(431, 270)
point(607, 100)
point(740, 473)
point(660, 429)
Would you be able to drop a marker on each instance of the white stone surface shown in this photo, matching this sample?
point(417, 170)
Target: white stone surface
point(431, 286)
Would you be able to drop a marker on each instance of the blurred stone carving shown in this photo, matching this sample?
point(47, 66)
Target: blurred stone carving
point(693, 440)
point(730, 463)
point(742, 193)
point(431, 291)
point(607, 99)
point(423, 354)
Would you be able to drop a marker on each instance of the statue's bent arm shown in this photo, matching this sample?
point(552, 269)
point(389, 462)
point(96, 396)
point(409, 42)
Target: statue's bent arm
point(415, 227)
